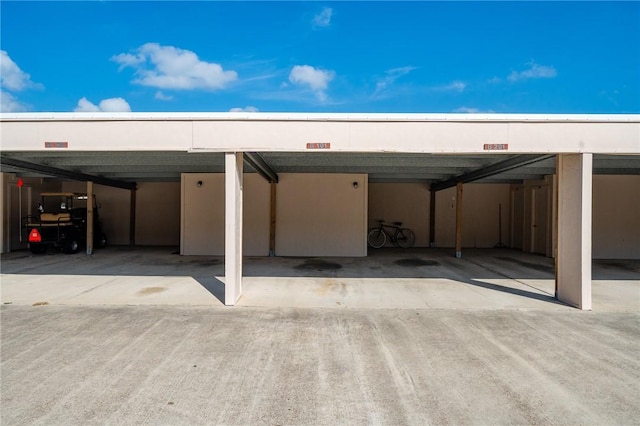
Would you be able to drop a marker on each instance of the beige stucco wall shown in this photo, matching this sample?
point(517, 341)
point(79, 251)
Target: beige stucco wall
point(158, 214)
point(401, 202)
point(616, 217)
point(321, 215)
point(203, 214)
point(480, 203)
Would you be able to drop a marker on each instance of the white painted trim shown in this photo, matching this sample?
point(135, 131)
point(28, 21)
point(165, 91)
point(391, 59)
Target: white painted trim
point(287, 116)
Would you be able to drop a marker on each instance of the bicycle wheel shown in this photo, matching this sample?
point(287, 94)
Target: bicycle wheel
point(376, 238)
point(405, 238)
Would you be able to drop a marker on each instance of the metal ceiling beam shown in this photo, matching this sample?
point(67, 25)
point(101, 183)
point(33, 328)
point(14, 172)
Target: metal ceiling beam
point(53, 171)
point(493, 169)
point(256, 161)
point(616, 171)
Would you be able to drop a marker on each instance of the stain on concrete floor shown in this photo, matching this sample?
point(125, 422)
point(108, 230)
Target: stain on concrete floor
point(201, 262)
point(415, 262)
point(626, 265)
point(151, 290)
point(318, 265)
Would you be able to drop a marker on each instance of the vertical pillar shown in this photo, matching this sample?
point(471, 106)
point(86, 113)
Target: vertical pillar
point(459, 220)
point(89, 244)
point(573, 275)
point(132, 218)
point(432, 218)
point(233, 227)
point(272, 220)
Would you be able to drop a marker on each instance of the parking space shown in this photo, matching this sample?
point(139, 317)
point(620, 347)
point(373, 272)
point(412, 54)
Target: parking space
point(389, 278)
point(399, 337)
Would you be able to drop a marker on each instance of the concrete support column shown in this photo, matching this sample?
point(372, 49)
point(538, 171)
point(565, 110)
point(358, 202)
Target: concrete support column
point(233, 227)
point(573, 275)
point(89, 244)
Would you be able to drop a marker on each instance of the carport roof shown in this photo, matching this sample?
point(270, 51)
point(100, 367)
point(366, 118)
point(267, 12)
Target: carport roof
point(167, 164)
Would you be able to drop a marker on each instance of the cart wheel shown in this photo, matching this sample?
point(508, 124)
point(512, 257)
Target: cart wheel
point(71, 246)
point(102, 241)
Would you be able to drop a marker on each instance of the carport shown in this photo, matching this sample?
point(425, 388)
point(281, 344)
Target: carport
point(439, 151)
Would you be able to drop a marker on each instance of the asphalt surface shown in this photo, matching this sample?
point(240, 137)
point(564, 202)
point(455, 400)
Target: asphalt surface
point(290, 366)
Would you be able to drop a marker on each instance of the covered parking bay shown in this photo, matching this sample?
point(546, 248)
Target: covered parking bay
point(438, 151)
point(390, 278)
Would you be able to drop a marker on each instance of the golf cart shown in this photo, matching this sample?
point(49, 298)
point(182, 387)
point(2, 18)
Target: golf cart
point(61, 222)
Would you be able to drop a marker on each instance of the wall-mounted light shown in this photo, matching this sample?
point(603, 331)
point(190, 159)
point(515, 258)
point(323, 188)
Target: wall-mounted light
point(199, 184)
point(355, 185)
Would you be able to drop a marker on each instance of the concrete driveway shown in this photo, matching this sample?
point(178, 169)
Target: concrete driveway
point(177, 365)
point(401, 337)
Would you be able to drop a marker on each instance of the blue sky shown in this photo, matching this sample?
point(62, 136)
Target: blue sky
point(502, 57)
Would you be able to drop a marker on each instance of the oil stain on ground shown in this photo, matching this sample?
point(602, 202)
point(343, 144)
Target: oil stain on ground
point(317, 265)
point(412, 263)
point(151, 290)
point(201, 262)
point(627, 265)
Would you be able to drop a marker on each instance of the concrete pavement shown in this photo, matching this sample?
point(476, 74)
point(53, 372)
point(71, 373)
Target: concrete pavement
point(196, 365)
point(393, 279)
point(140, 336)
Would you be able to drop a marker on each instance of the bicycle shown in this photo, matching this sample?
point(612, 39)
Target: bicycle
point(399, 237)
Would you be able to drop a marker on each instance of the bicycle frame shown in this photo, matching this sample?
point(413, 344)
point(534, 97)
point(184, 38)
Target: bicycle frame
point(399, 237)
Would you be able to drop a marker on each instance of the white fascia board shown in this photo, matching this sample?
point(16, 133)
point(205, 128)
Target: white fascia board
point(419, 137)
point(237, 132)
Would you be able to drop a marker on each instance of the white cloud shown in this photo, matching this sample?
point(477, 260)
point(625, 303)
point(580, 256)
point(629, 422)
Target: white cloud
point(162, 97)
point(323, 19)
point(455, 86)
point(12, 77)
point(115, 105)
point(168, 67)
point(390, 78)
point(245, 109)
point(105, 105)
point(85, 106)
point(316, 79)
point(468, 110)
point(534, 71)
point(128, 60)
point(8, 103)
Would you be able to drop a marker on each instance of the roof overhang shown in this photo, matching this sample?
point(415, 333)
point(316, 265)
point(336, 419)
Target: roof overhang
point(425, 148)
